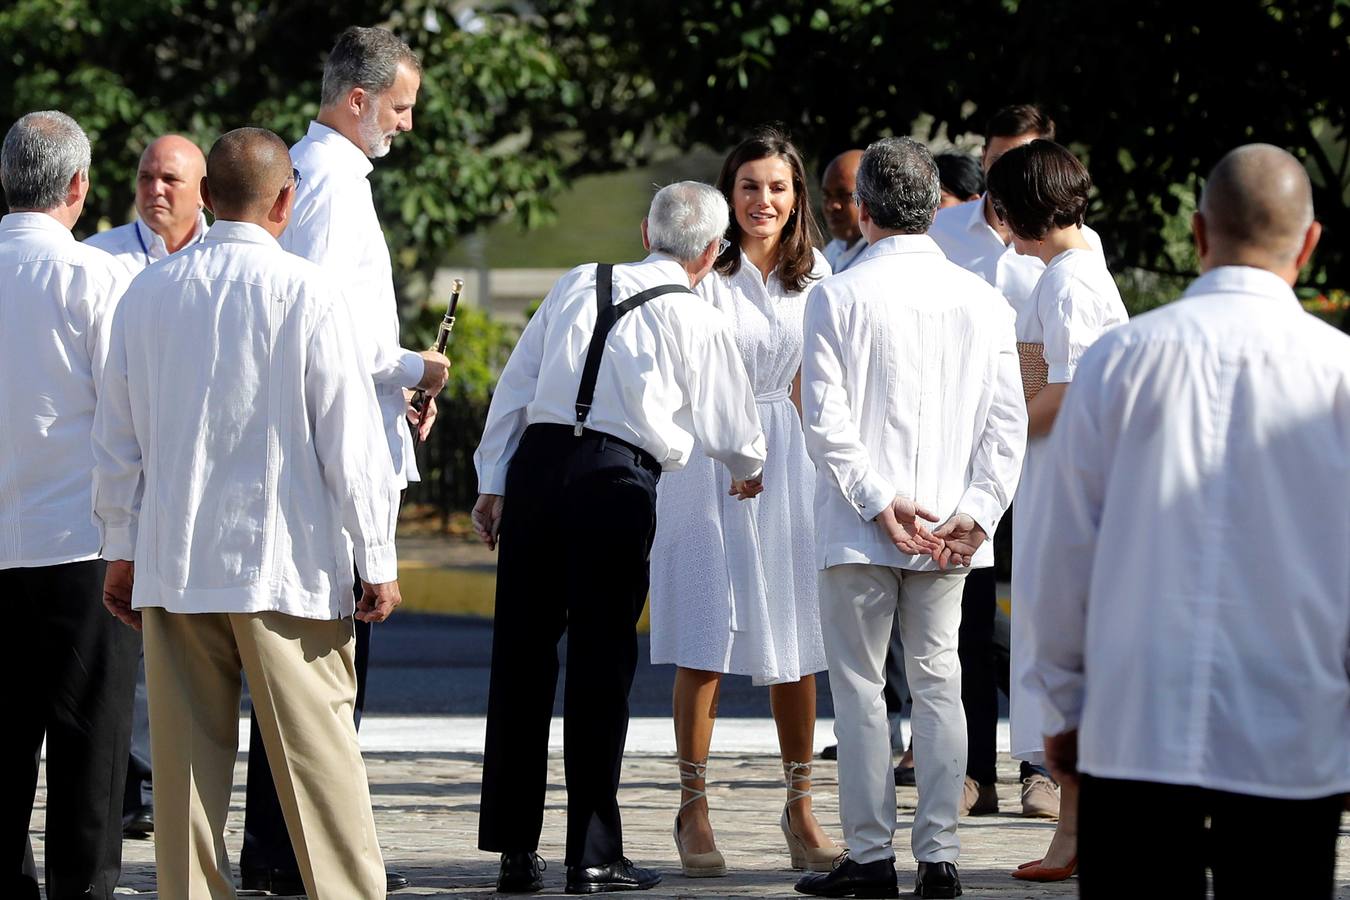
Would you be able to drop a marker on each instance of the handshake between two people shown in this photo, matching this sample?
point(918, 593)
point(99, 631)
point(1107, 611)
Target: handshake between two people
point(953, 543)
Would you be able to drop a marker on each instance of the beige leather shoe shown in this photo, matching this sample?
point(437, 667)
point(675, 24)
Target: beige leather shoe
point(978, 799)
point(1040, 798)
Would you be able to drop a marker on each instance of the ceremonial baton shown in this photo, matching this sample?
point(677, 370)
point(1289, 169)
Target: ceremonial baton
point(420, 400)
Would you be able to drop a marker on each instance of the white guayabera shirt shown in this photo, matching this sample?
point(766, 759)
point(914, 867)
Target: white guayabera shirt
point(967, 240)
point(671, 373)
point(334, 224)
point(135, 245)
point(1190, 541)
point(910, 387)
point(56, 303)
point(237, 436)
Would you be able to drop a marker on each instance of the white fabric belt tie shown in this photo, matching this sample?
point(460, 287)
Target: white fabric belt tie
point(774, 396)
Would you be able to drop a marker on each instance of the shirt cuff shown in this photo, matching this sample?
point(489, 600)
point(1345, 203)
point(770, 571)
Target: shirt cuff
point(411, 368)
point(1057, 721)
point(119, 542)
point(492, 481)
point(871, 495)
point(377, 565)
point(984, 508)
point(1060, 374)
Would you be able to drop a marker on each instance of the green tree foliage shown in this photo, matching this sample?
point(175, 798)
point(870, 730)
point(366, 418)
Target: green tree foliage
point(483, 145)
point(1152, 92)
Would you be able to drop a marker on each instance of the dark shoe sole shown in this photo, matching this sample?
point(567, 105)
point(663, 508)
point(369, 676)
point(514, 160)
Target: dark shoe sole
point(605, 888)
point(942, 893)
point(532, 887)
point(860, 893)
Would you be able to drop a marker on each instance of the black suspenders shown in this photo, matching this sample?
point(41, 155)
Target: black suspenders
point(607, 313)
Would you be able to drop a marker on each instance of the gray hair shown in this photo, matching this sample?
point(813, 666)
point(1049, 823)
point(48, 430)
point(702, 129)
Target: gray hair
point(685, 218)
point(367, 58)
point(898, 183)
point(42, 152)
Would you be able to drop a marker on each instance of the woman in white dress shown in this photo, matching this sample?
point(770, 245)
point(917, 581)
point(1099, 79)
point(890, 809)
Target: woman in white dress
point(734, 584)
point(1041, 191)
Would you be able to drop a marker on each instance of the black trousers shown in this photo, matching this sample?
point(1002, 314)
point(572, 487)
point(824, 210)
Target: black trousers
point(267, 844)
point(578, 522)
point(72, 674)
point(979, 674)
point(1253, 846)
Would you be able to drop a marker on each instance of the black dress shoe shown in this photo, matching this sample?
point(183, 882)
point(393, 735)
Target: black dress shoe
point(139, 822)
point(853, 879)
point(937, 879)
point(830, 752)
point(283, 883)
point(616, 876)
point(522, 872)
point(904, 776)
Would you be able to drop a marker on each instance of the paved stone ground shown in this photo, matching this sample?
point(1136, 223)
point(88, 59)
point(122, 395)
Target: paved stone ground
point(426, 808)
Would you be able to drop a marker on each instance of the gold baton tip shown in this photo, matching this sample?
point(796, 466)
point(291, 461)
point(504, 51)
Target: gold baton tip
point(457, 285)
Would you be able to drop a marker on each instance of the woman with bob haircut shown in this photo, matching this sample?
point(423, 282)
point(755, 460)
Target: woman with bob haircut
point(734, 584)
point(1040, 190)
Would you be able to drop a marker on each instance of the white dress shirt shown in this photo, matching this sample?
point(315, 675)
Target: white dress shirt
point(840, 255)
point(910, 387)
point(335, 225)
point(56, 303)
point(135, 245)
point(968, 240)
point(237, 436)
point(1191, 536)
point(671, 373)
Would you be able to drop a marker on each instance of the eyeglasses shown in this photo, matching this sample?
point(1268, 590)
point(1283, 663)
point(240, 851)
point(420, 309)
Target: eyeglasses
point(722, 246)
point(856, 200)
point(295, 174)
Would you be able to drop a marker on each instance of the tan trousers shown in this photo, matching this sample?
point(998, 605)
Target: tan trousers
point(301, 678)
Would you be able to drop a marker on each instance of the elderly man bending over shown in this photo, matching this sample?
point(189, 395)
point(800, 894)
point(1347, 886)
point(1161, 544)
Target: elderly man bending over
point(237, 436)
point(616, 375)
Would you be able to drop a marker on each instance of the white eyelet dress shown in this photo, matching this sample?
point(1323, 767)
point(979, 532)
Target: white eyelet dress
point(733, 586)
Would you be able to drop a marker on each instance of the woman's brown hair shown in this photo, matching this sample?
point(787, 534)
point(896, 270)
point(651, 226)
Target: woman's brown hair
point(795, 257)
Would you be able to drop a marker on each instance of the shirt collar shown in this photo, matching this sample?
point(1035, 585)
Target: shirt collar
point(348, 154)
point(154, 245)
point(37, 220)
point(1243, 280)
point(225, 231)
point(901, 243)
point(668, 266)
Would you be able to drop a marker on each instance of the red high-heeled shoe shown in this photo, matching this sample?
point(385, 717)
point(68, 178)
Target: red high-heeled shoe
point(1034, 871)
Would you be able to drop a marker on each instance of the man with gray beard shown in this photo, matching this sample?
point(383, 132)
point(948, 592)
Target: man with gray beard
point(370, 85)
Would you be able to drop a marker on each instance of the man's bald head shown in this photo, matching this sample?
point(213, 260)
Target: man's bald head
point(247, 171)
point(168, 188)
point(1256, 210)
point(836, 187)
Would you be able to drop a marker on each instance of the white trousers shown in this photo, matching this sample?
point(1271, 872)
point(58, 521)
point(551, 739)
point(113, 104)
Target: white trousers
point(858, 604)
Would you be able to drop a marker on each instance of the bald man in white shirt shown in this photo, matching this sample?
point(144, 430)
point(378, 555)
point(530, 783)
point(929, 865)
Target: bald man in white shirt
point(618, 373)
point(169, 218)
point(1193, 653)
point(236, 440)
point(70, 669)
point(370, 85)
point(168, 206)
point(912, 407)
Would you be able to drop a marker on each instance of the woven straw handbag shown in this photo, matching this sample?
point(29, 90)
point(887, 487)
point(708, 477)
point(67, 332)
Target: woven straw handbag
point(1035, 370)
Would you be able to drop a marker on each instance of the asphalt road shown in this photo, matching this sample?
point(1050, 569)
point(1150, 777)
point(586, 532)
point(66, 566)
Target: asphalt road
point(439, 665)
